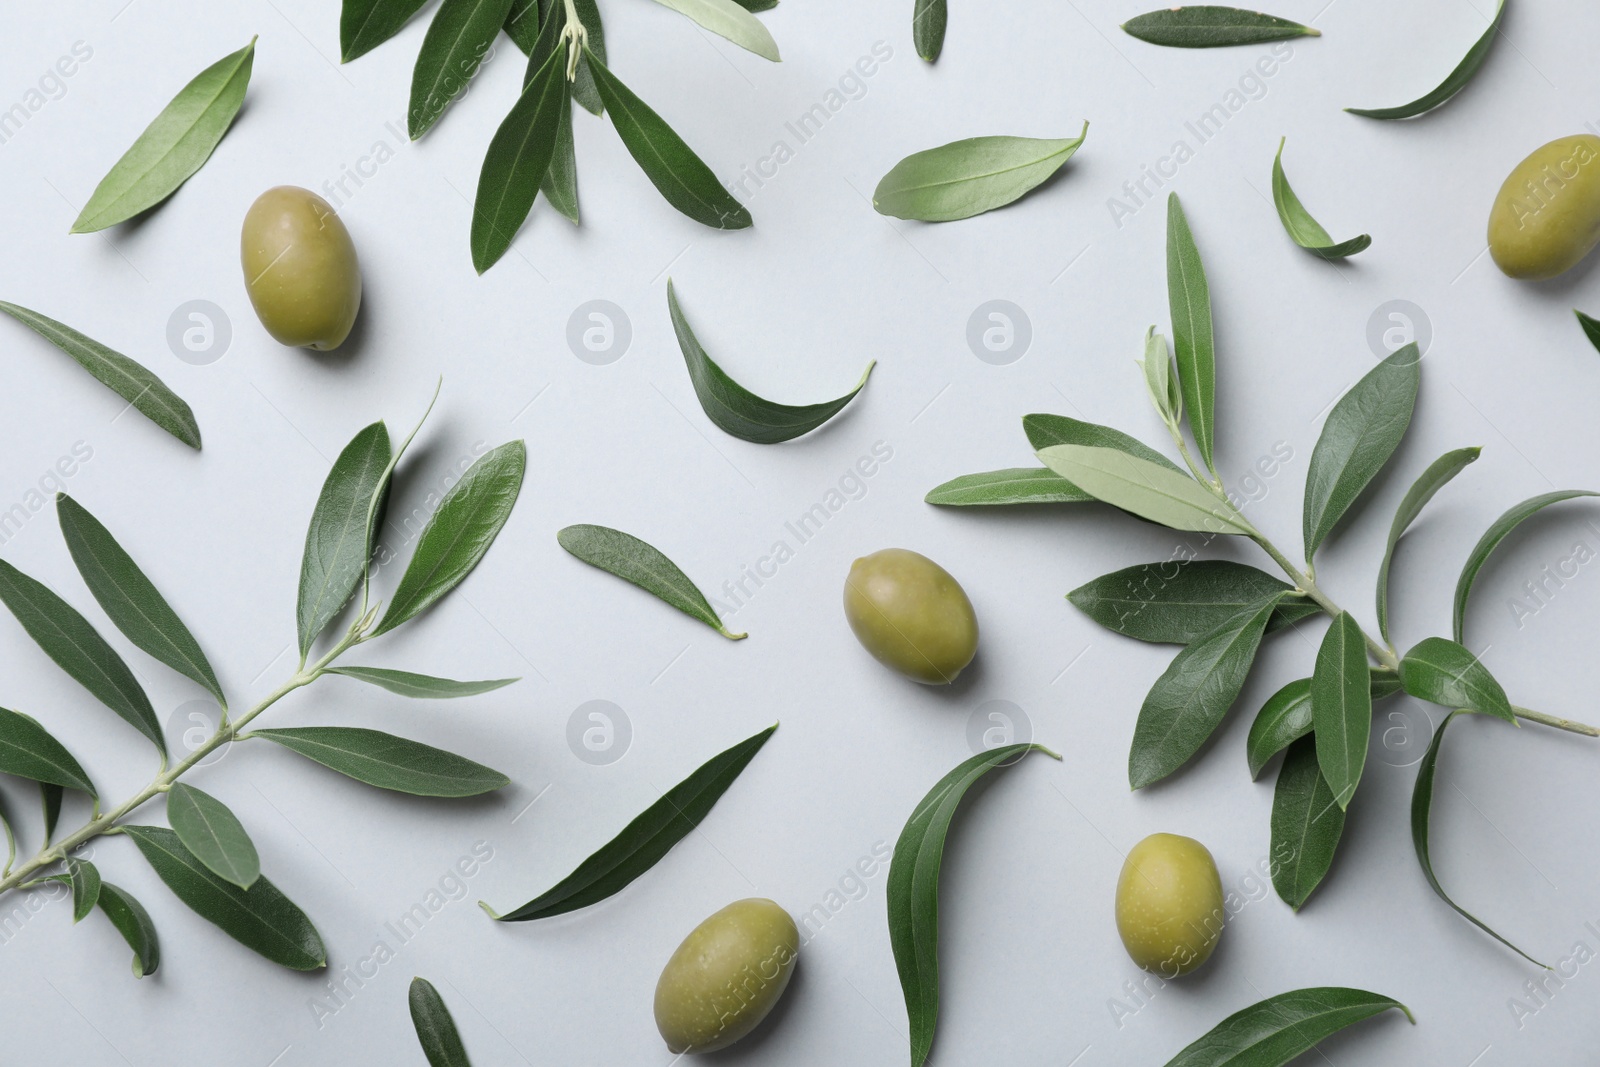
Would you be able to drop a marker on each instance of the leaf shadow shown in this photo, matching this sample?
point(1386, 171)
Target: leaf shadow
point(751, 1047)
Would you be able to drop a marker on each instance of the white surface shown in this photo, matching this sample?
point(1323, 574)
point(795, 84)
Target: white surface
point(794, 308)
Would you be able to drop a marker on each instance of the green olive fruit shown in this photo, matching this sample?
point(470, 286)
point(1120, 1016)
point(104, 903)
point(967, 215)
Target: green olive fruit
point(911, 615)
point(726, 976)
point(1547, 215)
point(300, 268)
point(1169, 904)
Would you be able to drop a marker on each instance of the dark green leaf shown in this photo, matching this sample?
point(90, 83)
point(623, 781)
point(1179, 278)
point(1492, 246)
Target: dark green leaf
point(260, 918)
point(172, 147)
point(1361, 433)
point(1189, 701)
point(967, 178)
point(1444, 673)
point(560, 184)
point(389, 762)
point(50, 796)
point(1451, 85)
point(78, 649)
point(1286, 717)
point(1212, 27)
point(133, 923)
point(1432, 480)
point(461, 34)
point(517, 162)
point(728, 20)
point(537, 32)
point(1306, 231)
point(1193, 342)
point(339, 541)
point(1278, 1029)
point(646, 839)
point(365, 24)
point(1149, 490)
point(757, 6)
point(213, 834)
point(436, 1030)
point(1341, 705)
point(680, 176)
point(148, 394)
point(1017, 485)
point(131, 600)
point(460, 532)
point(28, 751)
point(739, 412)
point(1178, 602)
point(1498, 531)
point(523, 24)
point(914, 890)
point(635, 561)
point(1421, 812)
point(1307, 822)
point(1044, 431)
point(1591, 327)
point(84, 878)
point(927, 27)
point(420, 686)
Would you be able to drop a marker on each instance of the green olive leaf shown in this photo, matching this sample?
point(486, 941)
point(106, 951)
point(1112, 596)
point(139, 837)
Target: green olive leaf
point(1146, 489)
point(78, 649)
point(913, 889)
point(1421, 815)
point(129, 598)
point(213, 834)
point(461, 34)
point(739, 412)
point(1189, 701)
point(645, 840)
point(634, 561)
point(133, 923)
point(524, 22)
point(967, 178)
point(148, 394)
point(1178, 602)
point(560, 184)
point(678, 174)
point(1286, 717)
point(1306, 231)
point(1046, 430)
point(1276, 1030)
point(1362, 431)
point(1341, 706)
point(84, 878)
point(927, 27)
point(727, 19)
point(260, 918)
point(365, 24)
point(1161, 379)
point(172, 147)
point(1193, 339)
point(1207, 26)
point(1307, 822)
point(388, 762)
point(1591, 327)
point(1498, 531)
point(339, 541)
point(518, 162)
point(436, 1030)
point(1436, 477)
point(1452, 85)
point(50, 797)
point(1445, 673)
point(419, 686)
point(29, 751)
point(1016, 485)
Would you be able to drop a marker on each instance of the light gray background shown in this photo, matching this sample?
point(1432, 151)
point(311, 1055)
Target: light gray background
point(794, 308)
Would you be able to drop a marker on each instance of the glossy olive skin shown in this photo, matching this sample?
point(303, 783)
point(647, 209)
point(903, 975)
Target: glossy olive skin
point(300, 268)
point(726, 976)
point(911, 615)
point(1169, 904)
point(1546, 218)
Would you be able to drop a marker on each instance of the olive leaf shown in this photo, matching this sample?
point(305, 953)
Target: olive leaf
point(339, 541)
point(129, 598)
point(1045, 430)
point(1498, 531)
point(388, 762)
point(460, 35)
point(148, 394)
point(560, 184)
point(1443, 672)
point(77, 647)
point(29, 751)
point(967, 178)
point(50, 797)
point(913, 889)
point(1190, 699)
point(436, 1030)
point(1591, 327)
point(1207, 26)
point(1178, 602)
point(261, 918)
point(1306, 231)
point(1307, 822)
point(1452, 85)
point(1193, 340)
point(518, 161)
point(672, 167)
point(634, 561)
point(739, 412)
point(1422, 813)
point(175, 145)
point(927, 27)
point(84, 878)
point(1287, 716)
point(1146, 489)
point(133, 923)
point(524, 22)
point(1015, 485)
point(1341, 706)
point(1276, 1030)
point(419, 686)
point(1362, 431)
point(1161, 379)
point(645, 840)
point(213, 834)
point(727, 19)
point(1438, 474)
point(529, 20)
point(365, 24)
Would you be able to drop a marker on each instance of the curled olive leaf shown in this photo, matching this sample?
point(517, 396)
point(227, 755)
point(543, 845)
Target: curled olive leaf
point(913, 889)
point(84, 878)
point(27, 750)
point(1498, 531)
point(1145, 489)
point(458, 38)
point(1276, 1030)
point(928, 21)
point(1445, 673)
point(967, 178)
point(339, 539)
point(133, 923)
point(388, 762)
point(645, 566)
point(365, 24)
point(1307, 822)
point(1209, 26)
point(436, 1030)
point(1452, 85)
point(213, 834)
point(1016, 485)
point(518, 162)
point(739, 412)
point(1341, 704)
point(1193, 339)
point(1306, 231)
point(645, 840)
point(173, 146)
point(1438, 474)
point(419, 686)
point(1178, 602)
point(148, 394)
point(731, 21)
